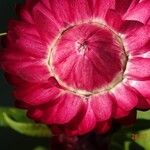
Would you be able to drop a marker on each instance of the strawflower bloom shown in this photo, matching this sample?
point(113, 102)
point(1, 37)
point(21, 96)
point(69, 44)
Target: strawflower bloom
point(79, 64)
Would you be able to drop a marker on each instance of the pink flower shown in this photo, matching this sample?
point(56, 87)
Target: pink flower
point(80, 63)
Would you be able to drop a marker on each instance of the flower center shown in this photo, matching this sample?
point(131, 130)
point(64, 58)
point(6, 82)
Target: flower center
point(87, 59)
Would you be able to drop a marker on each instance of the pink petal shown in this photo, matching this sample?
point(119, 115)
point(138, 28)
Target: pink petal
point(26, 12)
point(143, 88)
point(23, 28)
point(30, 95)
point(26, 16)
point(37, 94)
point(46, 3)
point(62, 11)
point(125, 98)
point(24, 37)
point(113, 19)
point(74, 11)
point(62, 111)
point(142, 51)
point(27, 68)
point(129, 27)
point(86, 124)
point(123, 5)
point(30, 45)
point(138, 68)
point(148, 22)
point(35, 73)
point(119, 112)
point(139, 13)
point(102, 106)
point(143, 104)
point(21, 88)
point(100, 7)
point(132, 40)
point(46, 23)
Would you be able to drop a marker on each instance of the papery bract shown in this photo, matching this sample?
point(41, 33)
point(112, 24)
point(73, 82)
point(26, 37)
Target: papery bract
point(80, 63)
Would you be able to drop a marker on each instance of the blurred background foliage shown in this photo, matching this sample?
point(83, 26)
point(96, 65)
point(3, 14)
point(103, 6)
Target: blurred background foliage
point(136, 137)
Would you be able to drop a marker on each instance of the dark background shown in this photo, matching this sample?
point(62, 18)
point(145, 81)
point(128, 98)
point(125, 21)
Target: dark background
point(10, 140)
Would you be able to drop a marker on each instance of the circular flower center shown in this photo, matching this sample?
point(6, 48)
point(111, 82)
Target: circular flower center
point(87, 59)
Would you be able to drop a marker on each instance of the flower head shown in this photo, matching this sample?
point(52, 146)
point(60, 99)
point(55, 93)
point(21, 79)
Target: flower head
point(80, 63)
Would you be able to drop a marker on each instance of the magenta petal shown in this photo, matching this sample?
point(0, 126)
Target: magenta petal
point(34, 72)
point(130, 27)
point(143, 104)
point(72, 11)
point(62, 11)
point(132, 40)
point(26, 16)
point(26, 67)
point(140, 12)
point(25, 12)
point(100, 7)
point(46, 23)
point(23, 28)
point(125, 98)
point(37, 94)
point(113, 19)
point(148, 22)
point(64, 110)
point(86, 124)
point(26, 39)
point(32, 46)
point(119, 112)
point(143, 88)
point(138, 68)
point(27, 46)
point(122, 6)
point(142, 51)
point(102, 106)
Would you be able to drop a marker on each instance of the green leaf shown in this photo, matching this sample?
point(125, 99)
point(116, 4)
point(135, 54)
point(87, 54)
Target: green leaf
point(143, 121)
point(30, 129)
point(143, 138)
point(135, 137)
point(143, 115)
point(125, 139)
point(15, 113)
point(17, 120)
point(120, 140)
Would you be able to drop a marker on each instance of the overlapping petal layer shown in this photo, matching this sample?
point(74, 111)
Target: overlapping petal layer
point(79, 64)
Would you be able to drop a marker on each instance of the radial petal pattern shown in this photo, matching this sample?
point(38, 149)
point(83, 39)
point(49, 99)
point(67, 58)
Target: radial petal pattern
point(80, 64)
